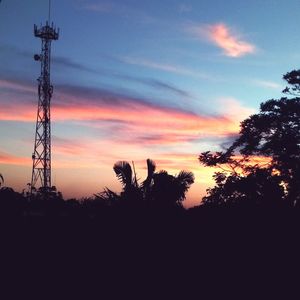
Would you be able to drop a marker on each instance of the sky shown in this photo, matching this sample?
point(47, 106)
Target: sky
point(133, 80)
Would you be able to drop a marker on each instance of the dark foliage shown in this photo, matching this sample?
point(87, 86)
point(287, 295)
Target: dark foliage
point(293, 79)
point(159, 189)
point(258, 188)
point(273, 134)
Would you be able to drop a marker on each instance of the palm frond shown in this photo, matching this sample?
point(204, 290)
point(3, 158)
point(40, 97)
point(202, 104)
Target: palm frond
point(186, 177)
point(107, 195)
point(124, 172)
point(151, 166)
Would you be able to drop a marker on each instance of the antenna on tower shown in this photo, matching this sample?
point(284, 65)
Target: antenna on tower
point(49, 11)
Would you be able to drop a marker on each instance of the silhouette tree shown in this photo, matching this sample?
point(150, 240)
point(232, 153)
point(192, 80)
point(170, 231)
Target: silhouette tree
point(273, 133)
point(131, 191)
point(148, 182)
point(108, 197)
point(11, 203)
point(293, 79)
point(168, 190)
point(46, 202)
point(158, 189)
point(258, 188)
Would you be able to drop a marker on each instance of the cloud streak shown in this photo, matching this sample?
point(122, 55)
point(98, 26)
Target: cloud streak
point(6, 158)
point(184, 8)
point(170, 68)
point(100, 7)
point(129, 119)
point(16, 86)
point(124, 11)
point(268, 84)
point(120, 127)
point(66, 62)
point(223, 36)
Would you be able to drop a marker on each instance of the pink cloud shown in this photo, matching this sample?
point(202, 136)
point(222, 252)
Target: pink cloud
point(132, 120)
point(223, 36)
point(10, 159)
point(118, 127)
point(233, 109)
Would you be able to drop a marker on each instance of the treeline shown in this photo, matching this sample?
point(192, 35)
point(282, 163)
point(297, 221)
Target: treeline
point(260, 170)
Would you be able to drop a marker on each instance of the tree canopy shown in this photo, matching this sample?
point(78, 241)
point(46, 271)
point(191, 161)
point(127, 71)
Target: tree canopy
point(272, 134)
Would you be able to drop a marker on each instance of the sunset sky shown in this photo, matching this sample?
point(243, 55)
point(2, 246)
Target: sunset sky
point(133, 80)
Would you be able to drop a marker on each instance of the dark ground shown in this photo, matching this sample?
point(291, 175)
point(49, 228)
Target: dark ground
point(210, 254)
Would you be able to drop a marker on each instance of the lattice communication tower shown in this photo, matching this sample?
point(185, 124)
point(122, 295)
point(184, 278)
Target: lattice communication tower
point(41, 157)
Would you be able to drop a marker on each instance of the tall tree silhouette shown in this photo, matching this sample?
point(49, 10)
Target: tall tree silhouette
point(274, 133)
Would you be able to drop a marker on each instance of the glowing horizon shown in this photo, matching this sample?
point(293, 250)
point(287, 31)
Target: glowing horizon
point(157, 80)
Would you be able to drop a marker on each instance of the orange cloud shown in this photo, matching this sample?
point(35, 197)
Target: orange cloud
point(222, 36)
point(9, 159)
point(17, 112)
point(138, 121)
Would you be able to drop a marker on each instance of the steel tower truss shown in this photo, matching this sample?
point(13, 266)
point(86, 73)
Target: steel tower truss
point(41, 170)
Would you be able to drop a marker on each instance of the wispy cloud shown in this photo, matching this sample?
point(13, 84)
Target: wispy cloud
point(170, 68)
point(124, 11)
point(69, 146)
point(119, 127)
point(141, 122)
point(100, 7)
point(167, 87)
point(69, 63)
point(223, 36)
point(184, 8)
point(233, 108)
point(154, 83)
point(268, 84)
point(58, 61)
point(16, 85)
point(10, 159)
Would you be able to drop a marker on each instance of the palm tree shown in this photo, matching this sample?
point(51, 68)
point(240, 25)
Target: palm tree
point(184, 180)
point(146, 185)
point(131, 191)
point(124, 173)
point(169, 190)
point(158, 189)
